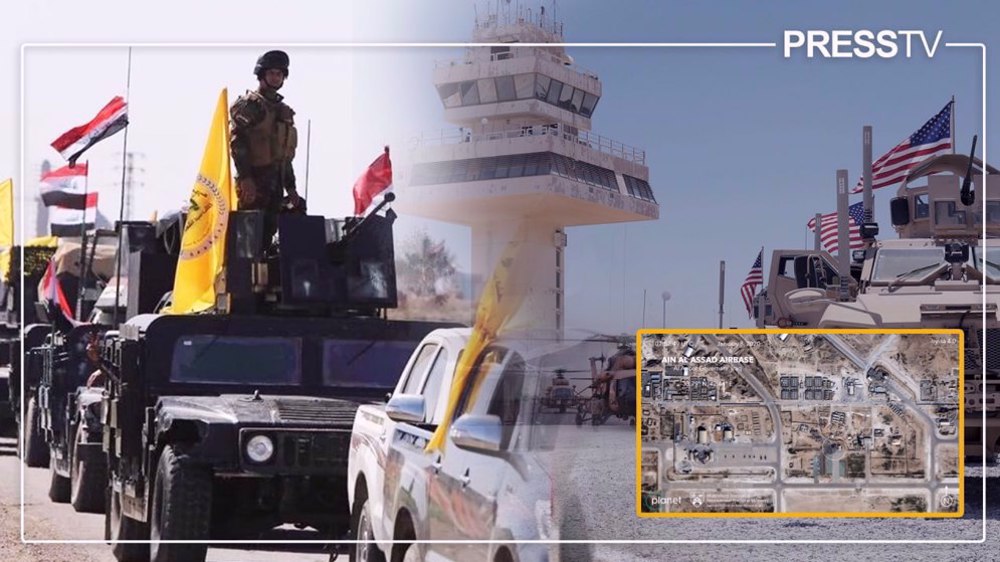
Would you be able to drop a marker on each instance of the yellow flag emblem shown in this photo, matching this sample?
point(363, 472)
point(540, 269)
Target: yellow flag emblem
point(203, 245)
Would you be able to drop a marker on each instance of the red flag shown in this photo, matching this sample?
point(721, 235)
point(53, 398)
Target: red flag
point(376, 179)
point(52, 291)
point(112, 118)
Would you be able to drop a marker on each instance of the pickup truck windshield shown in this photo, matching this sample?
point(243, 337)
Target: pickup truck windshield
point(237, 360)
point(360, 363)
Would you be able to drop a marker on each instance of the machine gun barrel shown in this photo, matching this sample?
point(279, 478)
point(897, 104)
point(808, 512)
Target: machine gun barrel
point(386, 199)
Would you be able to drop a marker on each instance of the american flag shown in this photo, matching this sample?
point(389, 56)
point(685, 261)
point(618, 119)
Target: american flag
point(828, 228)
point(754, 279)
point(933, 139)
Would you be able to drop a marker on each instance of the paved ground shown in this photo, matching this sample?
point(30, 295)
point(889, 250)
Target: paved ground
point(45, 520)
point(596, 478)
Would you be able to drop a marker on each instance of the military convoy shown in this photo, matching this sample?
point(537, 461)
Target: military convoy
point(225, 425)
point(939, 273)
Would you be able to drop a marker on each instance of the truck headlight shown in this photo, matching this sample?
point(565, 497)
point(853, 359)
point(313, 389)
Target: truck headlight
point(260, 448)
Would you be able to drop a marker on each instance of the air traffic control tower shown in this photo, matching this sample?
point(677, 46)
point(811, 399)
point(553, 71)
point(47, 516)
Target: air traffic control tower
point(523, 153)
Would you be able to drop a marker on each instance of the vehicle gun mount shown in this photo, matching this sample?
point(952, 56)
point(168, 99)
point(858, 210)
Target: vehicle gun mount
point(322, 267)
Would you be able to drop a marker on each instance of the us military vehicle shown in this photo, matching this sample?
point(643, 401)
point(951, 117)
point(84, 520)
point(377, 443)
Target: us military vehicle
point(939, 273)
point(229, 423)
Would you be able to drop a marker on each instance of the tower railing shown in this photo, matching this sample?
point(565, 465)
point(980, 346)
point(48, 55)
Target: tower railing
point(536, 53)
point(593, 141)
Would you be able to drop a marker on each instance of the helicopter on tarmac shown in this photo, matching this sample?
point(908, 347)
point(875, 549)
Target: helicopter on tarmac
point(613, 388)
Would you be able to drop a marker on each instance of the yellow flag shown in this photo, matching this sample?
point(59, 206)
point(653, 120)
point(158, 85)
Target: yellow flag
point(502, 297)
point(203, 245)
point(6, 225)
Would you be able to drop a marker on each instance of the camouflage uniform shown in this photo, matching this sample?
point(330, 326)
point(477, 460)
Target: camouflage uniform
point(263, 145)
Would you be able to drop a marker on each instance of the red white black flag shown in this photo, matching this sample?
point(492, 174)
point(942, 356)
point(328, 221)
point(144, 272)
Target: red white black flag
point(64, 191)
point(111, 119)
point(376, 180)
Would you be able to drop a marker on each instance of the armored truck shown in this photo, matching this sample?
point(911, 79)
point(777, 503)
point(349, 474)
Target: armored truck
point(939, 273)
point(36, 255)
point(228, 423)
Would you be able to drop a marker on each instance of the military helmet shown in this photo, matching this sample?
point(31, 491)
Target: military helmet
point(271, 59)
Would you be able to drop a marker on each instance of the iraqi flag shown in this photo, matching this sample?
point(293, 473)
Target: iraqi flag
point(111, 119)
point(376, 180)
point(65, 222)
point(51, 290)
point(67, 187)
point(64, 192)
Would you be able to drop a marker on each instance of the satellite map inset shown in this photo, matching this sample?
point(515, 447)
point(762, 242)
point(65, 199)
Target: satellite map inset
point(803, 424)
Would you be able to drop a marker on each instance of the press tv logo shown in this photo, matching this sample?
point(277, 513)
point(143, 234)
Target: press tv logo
point(862, 43)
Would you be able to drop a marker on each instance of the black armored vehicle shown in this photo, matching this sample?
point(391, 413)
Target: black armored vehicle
point(21, 283)
point(229, 423)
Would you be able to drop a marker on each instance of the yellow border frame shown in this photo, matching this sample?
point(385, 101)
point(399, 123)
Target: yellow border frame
point(804, 514)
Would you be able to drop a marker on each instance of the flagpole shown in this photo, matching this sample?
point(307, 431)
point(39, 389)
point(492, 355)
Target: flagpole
point(308, 143)
point(953, 124)
point(121, 202)
point(83, 246)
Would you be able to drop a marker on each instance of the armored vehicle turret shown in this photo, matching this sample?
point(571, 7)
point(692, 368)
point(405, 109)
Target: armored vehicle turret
point(940, 273)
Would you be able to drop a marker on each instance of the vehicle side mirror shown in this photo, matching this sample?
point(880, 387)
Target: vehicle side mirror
point(477, 433)
point(899, 210)
point(406, 408)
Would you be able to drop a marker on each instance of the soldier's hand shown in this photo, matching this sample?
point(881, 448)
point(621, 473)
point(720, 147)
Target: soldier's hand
point(295, 202)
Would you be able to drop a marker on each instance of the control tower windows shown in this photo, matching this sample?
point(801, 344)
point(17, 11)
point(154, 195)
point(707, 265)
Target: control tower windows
point(505, 88)
point(542, 86)
point(525, 165)
point(555, 88)
point(638, 188)
point(487, 90)
point(589, 103)
point(524, 84)
point(450, 95)
point(470, 93)
point(577, 100)
point(519, 87)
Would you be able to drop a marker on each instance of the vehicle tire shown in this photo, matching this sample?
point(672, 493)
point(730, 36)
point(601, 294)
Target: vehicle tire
point(122, 528)
point(36, 450)
point(182, 509)
point(361, 529)
point(87, 481)
point(59, 488)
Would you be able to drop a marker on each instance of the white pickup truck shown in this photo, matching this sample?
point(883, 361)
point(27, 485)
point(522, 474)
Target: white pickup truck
point(485, 483)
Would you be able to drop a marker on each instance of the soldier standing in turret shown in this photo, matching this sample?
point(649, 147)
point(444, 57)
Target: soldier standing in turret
point(263, 144)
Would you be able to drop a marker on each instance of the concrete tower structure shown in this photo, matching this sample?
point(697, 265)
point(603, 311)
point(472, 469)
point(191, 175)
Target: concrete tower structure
point(523, 154)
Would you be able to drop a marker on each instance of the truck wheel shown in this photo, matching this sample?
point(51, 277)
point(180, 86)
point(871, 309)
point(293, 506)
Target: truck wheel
point(36, 451)
point(122, 528)
point(182, 509)
point(59, 488)
point(87, 481)
point(361, 529)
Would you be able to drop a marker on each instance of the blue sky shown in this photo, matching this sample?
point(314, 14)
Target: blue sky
point(742, 144)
